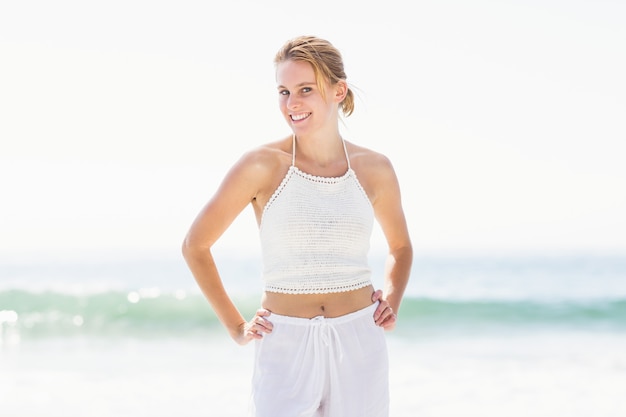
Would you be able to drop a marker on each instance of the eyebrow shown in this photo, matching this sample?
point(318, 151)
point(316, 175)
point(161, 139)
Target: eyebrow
point(299, 85)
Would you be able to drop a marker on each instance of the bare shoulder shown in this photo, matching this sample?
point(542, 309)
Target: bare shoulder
point(374, 171)
point(264, 159)
point(260, 170)
point(369, 163)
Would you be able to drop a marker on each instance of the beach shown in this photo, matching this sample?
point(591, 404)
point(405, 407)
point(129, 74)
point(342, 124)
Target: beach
point(476, 337)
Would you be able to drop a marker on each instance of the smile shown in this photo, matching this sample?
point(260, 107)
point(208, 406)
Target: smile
point(299, 116)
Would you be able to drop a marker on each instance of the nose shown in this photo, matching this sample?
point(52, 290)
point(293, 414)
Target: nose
point(292, 102)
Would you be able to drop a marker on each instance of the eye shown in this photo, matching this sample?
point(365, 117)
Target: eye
point(307, 89)
point(283, 92)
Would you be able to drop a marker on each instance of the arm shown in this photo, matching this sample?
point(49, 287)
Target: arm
point(390, 215)
point(238, 189)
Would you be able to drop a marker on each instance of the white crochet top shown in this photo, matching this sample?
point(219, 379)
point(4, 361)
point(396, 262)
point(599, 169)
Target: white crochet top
point(315, 233)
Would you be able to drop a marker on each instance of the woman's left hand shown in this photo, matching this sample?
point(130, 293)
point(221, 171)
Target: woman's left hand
point(384, 315)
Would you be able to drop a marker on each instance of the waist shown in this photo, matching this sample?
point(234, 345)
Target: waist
point(334, 304)
point(367, 311)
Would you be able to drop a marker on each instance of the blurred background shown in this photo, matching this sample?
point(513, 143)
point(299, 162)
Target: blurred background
point(504, 121)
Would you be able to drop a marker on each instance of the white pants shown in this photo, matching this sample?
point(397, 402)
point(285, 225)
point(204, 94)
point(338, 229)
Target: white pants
point(322, 367)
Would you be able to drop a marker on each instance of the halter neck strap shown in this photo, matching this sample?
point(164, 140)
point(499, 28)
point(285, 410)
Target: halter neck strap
point(345, 151)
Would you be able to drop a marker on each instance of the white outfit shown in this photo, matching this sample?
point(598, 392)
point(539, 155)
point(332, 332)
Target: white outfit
point(315, 234)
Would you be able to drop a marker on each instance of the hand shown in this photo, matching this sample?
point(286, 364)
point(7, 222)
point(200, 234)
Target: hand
point(384, 315)
point(255, 328)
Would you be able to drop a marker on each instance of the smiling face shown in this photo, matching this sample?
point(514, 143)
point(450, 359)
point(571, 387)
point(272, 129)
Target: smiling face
point(305, 106)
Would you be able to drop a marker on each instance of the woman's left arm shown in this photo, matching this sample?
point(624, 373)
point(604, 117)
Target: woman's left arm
point(389, 213)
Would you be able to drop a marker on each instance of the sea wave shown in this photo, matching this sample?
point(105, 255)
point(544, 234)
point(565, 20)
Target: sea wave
point(595, 312)
point(45, 314)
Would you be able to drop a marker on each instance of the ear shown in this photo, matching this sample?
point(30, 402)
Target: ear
point(340, 90)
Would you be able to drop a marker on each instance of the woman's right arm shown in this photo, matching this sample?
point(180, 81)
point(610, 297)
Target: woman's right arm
point(239, 187)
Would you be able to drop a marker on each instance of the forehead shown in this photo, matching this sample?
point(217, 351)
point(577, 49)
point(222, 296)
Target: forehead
point(292, 73)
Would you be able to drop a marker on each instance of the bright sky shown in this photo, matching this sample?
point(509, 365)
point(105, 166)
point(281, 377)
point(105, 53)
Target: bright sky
point(505, 120)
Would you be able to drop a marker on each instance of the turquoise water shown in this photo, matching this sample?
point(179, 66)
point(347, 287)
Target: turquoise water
point(476, 336)
point(116, 313)
point(160, 296)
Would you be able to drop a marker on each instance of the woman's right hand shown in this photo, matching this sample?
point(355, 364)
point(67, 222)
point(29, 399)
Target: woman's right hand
point(255, 328)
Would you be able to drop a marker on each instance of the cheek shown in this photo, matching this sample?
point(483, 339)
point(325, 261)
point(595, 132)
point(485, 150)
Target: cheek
point(282, 102)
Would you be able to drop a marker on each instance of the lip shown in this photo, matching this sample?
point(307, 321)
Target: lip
point(298, 117)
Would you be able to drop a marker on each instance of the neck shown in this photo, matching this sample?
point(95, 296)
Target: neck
point(320, 150)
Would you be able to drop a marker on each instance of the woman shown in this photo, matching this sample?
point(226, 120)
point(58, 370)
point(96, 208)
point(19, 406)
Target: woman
point(320, 346)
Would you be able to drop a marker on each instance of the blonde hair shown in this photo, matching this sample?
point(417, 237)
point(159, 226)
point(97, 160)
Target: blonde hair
point(325, 59)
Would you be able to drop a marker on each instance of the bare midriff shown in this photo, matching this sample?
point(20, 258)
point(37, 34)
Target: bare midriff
point(312, 305)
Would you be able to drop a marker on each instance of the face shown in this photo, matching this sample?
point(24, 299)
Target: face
point(300, 99)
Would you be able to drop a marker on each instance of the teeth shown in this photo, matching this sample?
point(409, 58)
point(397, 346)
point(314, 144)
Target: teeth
point(296, 117)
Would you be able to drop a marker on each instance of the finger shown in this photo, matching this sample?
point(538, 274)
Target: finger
point(253, 333)
point(256, 327)
point(383, 306)
point(386, 313)
point(263, 324)
point(377, 295)
point(390, 322)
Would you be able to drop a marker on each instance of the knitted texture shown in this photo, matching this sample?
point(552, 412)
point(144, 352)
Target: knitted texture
point(315, 234)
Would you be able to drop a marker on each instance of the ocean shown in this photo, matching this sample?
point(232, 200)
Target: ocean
point(476, 336)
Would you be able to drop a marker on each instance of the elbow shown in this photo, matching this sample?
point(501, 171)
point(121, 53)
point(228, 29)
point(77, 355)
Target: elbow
point(191, 249)
point(403, 252)
point(196, 245)
point(184, 248)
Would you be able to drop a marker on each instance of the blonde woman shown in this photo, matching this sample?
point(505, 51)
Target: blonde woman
point(319, 331)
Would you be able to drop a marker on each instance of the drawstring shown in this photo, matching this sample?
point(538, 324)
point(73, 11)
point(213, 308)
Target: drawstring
point(325, 345)
point(327, 334)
